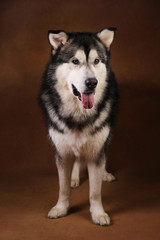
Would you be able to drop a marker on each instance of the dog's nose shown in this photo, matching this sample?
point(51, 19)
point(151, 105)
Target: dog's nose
point(91, 83)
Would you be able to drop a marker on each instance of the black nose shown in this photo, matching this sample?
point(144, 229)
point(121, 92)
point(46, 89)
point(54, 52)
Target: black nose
point(91, 83)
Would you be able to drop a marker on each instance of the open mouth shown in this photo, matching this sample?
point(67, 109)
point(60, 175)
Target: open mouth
point(76, 93)
point(86, 98)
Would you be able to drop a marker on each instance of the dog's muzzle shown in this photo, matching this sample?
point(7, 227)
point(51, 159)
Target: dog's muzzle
point(87, 97)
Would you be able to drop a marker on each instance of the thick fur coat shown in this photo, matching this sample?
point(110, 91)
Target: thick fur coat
point(79, 98)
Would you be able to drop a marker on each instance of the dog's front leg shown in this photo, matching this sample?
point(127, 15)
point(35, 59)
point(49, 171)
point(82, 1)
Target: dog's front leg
point(62, 206)
point(95, 181)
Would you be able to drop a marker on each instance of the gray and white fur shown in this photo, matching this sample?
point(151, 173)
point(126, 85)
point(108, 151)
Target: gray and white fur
point(79, 97)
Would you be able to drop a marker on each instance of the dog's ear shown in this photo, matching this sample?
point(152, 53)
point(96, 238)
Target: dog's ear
point(57, 38)
point(106, 36)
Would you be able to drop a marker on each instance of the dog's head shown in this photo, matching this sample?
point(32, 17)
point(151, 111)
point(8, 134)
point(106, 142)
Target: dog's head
point(81, 61)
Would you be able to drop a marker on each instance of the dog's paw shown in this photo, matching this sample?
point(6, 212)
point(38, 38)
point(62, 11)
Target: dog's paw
point(75, 183)
point(101, 219)
point(108, 177)
point(57, 212)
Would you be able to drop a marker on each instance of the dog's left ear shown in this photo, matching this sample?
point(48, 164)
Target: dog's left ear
point(57, 38)
point(106, 36)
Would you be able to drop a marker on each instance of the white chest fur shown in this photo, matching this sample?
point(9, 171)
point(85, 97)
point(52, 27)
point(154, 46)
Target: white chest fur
point(79, 143)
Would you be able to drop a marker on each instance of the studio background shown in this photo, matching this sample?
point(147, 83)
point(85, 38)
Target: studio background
point(29, 182)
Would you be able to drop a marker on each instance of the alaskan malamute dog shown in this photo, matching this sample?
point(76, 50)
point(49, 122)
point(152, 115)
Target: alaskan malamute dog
point(79, 99)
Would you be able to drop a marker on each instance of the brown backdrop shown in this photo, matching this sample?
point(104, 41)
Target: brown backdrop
point(29, 182)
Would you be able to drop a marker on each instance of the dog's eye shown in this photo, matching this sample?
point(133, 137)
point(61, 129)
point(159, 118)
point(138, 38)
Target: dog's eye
point(96, 61)
point(76, 61)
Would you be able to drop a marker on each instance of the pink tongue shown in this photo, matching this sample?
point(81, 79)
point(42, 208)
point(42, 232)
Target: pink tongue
point(87, 100)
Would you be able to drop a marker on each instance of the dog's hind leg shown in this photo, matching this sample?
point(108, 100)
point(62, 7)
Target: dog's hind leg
point(62, 206)
point(75, 179)
point(95, 181)
point(108, 177)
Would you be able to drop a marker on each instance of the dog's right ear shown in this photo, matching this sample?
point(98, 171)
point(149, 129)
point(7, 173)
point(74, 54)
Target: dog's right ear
point(57, 38)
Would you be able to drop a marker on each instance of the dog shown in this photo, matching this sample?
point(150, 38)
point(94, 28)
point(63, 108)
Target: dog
point(79, 98)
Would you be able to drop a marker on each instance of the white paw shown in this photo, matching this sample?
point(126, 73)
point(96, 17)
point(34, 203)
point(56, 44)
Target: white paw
point(108, 177)
point(102, 219)
point(74, 183)
point(57, 212)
